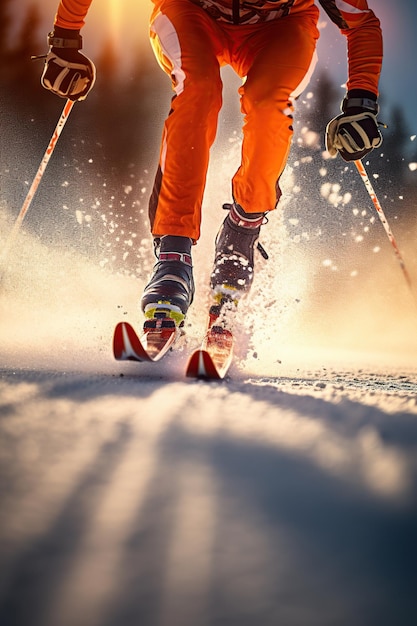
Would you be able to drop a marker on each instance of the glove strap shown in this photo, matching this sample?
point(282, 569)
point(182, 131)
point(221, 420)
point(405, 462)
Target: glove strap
point(363, 103)
point(63, 42)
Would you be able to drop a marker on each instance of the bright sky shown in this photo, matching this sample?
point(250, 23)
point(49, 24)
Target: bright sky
point(127, 21)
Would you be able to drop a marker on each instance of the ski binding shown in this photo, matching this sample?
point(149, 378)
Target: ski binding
point(159, 335)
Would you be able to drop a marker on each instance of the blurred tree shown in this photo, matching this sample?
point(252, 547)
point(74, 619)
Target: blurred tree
point(108, 65)
point(123, 102)
point(325, 103)
point(5, 25)
point(23, 75)
point(314, 109)
point(395, 147)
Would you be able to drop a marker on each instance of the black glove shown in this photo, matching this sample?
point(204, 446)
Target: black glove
point(67, 72)
point(355, 132)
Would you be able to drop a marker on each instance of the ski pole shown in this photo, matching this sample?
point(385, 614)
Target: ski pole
point(38, 177)
point(362, 171)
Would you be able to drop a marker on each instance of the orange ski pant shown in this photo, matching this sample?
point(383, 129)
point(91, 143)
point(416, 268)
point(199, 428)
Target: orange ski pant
point(274, 58)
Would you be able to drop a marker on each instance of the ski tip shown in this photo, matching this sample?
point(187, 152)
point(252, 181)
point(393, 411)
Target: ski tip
point(118, 343)
point(151, 346)
point(200, 365)
point(121, 333)
point(127, 345)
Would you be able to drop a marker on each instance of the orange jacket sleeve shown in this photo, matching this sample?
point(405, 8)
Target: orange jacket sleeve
point(71, 13)
point(364, 40)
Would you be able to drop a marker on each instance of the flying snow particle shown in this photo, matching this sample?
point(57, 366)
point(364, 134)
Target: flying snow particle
point(325, 190)
point(310, 138)
point(334, 199)
point(412, 167)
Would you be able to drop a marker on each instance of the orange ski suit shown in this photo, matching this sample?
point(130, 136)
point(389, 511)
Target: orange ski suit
point(271, 46)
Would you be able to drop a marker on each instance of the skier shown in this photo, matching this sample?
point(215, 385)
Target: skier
point(271, 45)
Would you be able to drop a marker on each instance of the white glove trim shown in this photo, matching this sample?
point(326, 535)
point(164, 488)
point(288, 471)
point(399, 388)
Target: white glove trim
point(337, 140)
point(78, 83)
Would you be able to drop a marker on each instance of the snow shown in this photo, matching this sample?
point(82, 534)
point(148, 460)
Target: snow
point(148, 500)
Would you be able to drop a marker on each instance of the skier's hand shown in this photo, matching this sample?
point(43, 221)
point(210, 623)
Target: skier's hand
point(67, 72)
point(354, 132)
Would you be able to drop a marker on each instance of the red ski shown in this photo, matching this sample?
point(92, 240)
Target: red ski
point(212, 360)
point(159, 335)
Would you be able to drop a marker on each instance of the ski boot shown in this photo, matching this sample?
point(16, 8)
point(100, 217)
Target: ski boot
point(170, 291)
point(232, 274)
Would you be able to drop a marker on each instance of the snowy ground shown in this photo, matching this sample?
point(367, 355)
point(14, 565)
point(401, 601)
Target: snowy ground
point(287, 500)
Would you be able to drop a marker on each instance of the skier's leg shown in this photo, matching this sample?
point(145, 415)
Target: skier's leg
point(280, 62)
point(186, 44)
point(277, 64)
